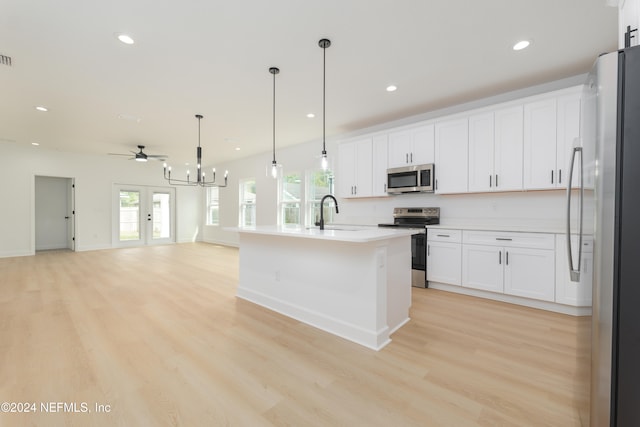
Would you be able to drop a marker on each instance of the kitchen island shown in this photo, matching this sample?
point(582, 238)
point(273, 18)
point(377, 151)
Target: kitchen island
point(354, 282)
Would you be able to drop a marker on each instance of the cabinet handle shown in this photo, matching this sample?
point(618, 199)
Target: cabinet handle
point(428, 250)
point(496, 180)
point(436, 184)
point(500, 257)
point(559, 176)
point(411, 155)
point(507, 257)
point(385, 188)
point(504, 238)
point(406, 157)
point(355, 189)
point(490, 177)
point(552, 176)
point(443, 235)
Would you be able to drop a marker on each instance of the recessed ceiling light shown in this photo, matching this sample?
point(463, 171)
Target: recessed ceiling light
point(311, 115)
point(125, 38)
point(521, 44)
point(42, 108)
point(237, 148)
point(35, 143)
point(392, 88)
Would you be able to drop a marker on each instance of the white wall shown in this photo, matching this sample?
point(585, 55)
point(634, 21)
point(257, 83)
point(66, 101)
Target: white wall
point(94, 178)
point(544, 209)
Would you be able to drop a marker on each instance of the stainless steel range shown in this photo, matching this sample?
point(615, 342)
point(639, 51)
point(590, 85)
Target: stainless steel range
point(418, 219)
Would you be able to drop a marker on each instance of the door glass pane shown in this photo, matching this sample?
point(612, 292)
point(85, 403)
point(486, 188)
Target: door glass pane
point(129, 215)
point(161, 216)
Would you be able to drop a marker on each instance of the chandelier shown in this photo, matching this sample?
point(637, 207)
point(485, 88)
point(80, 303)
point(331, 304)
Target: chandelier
point(200, 175)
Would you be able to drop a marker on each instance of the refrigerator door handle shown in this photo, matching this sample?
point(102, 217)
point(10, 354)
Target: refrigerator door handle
point(574, 273)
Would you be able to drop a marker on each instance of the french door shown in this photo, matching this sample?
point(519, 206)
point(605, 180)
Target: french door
point(143, 215)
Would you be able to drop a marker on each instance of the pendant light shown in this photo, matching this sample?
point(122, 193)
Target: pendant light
point(274, 164)
point(200, 179)
point(324, 44)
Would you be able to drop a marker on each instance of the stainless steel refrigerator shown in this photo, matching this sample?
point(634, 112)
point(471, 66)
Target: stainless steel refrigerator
point(606, 205)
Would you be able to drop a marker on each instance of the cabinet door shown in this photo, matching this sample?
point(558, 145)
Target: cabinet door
point(379, 172)
point(444, 262)
point(568, 292)
point(482, 267)
point(399, 148)
point(363, 168)
point(508, 149)
point(422, 151)
point(568, 131)
point(451, 159)
point(530, 273)
point(540, 145)
point(346, 175)
point(481, 156)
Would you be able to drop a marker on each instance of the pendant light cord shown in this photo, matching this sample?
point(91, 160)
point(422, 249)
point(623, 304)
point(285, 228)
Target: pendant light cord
point(199, 117)
point(324, 94)
point(274, 118)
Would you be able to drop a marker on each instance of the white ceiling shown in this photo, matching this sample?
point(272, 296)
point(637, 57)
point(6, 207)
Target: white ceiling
point(212, 57)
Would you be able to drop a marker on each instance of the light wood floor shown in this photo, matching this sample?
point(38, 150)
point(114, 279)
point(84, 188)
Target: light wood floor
point(157, 334)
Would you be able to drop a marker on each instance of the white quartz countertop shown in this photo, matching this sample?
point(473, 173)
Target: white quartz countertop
point(509, 228)
point(343, 233)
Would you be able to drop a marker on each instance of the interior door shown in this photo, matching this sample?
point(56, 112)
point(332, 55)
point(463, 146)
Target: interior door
point(143, 215)
point(54, 226)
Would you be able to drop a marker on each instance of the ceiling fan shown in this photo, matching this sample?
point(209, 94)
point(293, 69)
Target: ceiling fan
point(141, 156)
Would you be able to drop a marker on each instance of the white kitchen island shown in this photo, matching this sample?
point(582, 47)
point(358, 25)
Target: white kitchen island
point(354, 283)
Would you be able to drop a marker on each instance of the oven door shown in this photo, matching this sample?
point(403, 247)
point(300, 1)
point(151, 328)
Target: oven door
point(419, 260)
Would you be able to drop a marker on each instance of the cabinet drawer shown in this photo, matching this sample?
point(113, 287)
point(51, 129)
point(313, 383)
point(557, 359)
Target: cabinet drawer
point(509, 239)
point(444, 235)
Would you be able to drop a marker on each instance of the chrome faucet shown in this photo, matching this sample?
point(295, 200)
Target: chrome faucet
point(321, 223)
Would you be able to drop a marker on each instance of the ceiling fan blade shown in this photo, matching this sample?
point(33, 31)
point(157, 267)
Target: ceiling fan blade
point(118, 154)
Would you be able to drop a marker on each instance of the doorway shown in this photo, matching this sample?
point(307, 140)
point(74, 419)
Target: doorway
point(54, 213)
point(143, 215)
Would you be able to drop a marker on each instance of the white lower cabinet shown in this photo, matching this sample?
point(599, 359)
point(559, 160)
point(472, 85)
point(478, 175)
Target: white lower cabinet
point(574, 293)
point(444, 256)
point(482, 268)
point(530, 273)
point(520, 264)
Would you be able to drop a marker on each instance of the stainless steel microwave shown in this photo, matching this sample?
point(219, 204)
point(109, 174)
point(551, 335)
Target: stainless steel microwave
point(410, 179)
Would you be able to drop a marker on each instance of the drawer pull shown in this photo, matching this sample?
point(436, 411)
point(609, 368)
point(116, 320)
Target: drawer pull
point(443, 235)
point(504, 239)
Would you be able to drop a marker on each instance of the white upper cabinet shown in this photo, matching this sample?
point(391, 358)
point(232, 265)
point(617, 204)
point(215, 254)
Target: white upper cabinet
point(355, 165)
point(451, 156)
point(551, 127)
point(495, 150)
point(481, 152)
point(411, 146)
point(508, 149)
point(540, 144)
point(380, 153)
point(567, 137)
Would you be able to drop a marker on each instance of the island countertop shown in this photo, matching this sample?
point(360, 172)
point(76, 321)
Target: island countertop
point(345, 233)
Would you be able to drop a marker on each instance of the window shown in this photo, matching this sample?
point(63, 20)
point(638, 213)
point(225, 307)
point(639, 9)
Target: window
point(247, 203)
point(213, 206)
point(129, 215)
point(319, 184)
point(290, 198)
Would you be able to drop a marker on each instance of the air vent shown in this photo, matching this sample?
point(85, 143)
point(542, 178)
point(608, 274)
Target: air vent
point(5, 60)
